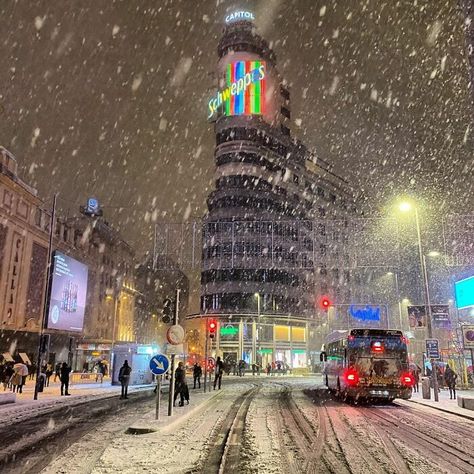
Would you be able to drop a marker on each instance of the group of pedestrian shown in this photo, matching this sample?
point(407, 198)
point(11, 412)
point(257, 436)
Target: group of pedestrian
point(449, 378)
point(13, 376)
point(279, 368)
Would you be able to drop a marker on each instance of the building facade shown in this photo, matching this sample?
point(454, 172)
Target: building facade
point(258, 275)
point(117, 302)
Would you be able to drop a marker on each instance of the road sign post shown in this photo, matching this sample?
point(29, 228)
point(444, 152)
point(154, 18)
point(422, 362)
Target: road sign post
point(171, 392)
point(432, 349)
point(432, 353)
point(159, 365)
point(205, 357)
point(158, 398)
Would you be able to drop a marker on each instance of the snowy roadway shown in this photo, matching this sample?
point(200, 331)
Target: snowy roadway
point(269, 424)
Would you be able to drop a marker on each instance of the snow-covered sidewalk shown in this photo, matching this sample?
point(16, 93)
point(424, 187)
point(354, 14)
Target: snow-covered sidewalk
point(26, 407)
point(172, 444)
point(445, 403)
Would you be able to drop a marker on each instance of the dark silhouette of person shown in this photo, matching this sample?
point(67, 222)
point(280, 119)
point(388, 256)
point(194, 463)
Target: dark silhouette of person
point(197, 372)
point(450, 377)
point(64, 372)
point(124, 379)
point(218, 373)
point(180, 387)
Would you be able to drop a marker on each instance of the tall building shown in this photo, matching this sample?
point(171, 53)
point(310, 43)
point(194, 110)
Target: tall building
point(258, 276)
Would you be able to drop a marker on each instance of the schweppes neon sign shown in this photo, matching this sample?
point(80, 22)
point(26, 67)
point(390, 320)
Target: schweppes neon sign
point(244, 93)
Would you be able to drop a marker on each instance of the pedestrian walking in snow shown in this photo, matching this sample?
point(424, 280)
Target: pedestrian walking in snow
point(57, 371)
point(416, 371)
point(450, 377)
point(269, 369)
point(48, 372)
point(253, 369)
point(124, 379)
point(180, 387)
point(64, 378)
point(197, 372)
point(7, 375)
point(16, 382)
point(218, 373)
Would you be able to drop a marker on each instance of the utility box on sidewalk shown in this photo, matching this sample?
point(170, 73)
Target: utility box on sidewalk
point(138, 357)
point(425, 388)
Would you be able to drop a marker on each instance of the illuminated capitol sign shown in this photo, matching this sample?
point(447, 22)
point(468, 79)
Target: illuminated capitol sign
point(245, 90)
point(236, 16)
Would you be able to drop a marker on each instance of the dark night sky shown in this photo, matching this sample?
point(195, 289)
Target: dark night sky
point(108, 98)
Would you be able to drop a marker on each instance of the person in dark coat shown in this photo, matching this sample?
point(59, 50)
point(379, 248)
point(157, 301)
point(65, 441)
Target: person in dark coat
point(450, 377)
point(180, 387)
point(48, 373)
point(218, 373)
point(57, 371)
point(64, 378)
point(415, 372)
point(197, 372)
point(124, 379)
point(7, 375)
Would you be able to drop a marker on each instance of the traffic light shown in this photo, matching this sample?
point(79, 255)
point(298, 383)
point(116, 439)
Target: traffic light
point(212, 327)
point(167, 311)
point(325, 303)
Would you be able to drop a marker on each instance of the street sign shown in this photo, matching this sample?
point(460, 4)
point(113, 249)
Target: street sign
point(175, 334)
point(468, 336)
point(173, 349)
point(432, 349)
point(211, 362)
point(159, 364)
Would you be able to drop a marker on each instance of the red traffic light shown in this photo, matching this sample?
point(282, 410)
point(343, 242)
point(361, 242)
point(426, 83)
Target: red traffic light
point(325, 302)
point(212, 326)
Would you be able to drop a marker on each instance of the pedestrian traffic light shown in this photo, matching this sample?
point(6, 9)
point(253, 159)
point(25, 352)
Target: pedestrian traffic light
point(167, 311)
point(212, 326)
point(325, 303)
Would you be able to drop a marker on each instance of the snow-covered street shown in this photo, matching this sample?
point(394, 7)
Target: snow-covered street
point(270, 424)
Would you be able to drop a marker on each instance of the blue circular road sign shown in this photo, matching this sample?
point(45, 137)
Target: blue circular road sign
point(159, 364)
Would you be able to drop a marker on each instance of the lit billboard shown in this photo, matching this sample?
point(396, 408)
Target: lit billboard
point(68, 294)
point(464, 293)
point(244, 93)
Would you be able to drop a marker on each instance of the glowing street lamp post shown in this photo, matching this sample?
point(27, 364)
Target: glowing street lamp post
point(257, 295)
point(406, 207)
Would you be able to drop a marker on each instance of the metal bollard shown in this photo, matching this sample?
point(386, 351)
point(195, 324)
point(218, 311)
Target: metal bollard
point(425, 388)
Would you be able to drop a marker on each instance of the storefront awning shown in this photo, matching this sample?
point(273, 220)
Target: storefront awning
point(8, 357)
point(25, 358)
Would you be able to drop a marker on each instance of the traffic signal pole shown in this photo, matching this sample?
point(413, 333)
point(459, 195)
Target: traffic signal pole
point(171, 391)
point(47, 294)
point(206, 356)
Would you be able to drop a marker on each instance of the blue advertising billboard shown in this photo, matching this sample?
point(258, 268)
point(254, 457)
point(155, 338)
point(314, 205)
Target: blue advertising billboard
point(68, 294)
point(464, 293)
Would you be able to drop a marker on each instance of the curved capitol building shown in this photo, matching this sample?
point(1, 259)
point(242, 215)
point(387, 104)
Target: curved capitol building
point(258, 277)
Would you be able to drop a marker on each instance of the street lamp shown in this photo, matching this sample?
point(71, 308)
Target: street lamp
point(406, 206)
point(257, 295)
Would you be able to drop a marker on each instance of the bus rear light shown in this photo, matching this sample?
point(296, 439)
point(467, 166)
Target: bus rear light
point(377, 346)
point(404, 340)
point(352, 377)
point(407, 380)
